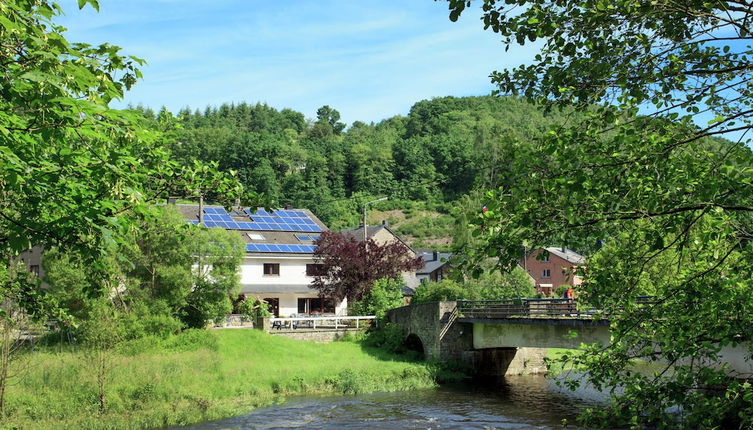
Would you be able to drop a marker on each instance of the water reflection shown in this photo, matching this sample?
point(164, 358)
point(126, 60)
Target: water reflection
point(517, 402)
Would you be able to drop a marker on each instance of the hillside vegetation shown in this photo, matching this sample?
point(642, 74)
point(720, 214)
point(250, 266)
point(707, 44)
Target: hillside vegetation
point(424, 162)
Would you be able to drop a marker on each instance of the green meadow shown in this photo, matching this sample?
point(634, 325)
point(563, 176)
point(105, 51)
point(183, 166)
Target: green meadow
point(198, 376)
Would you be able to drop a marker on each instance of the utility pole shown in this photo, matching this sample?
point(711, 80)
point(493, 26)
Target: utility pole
point(201, 209)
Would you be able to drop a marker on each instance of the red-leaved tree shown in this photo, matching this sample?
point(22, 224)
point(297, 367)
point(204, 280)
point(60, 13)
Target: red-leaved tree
point(350, 266)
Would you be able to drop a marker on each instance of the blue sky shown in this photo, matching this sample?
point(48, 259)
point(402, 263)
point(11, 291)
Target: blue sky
point(369, 59)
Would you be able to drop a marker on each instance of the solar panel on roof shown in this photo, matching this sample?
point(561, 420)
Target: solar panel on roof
point(281, 248)
point(280, 220)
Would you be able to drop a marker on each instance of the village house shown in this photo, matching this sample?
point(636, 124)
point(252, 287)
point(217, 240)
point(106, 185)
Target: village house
point(279, 263)
point(552, 267)
point(382, 234)
point(32, 260)
point(436, 265)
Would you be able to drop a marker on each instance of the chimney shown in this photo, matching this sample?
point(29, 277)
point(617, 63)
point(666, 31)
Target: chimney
point(385, 223)
point(288, 207)
point(436, 256)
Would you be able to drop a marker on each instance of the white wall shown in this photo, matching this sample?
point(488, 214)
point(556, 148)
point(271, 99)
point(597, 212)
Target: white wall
point(292, 271)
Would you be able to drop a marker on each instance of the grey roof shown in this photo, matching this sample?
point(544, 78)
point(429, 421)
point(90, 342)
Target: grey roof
point(371, 231)
point(277, 289)
point(430, 262)
point(567, 255)
point(191, 213)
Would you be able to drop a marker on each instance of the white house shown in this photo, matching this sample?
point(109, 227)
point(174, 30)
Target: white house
point(279, 263)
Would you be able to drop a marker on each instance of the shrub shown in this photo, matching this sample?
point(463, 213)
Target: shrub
point(386, 294)
point(388, 337)
point(440, 291)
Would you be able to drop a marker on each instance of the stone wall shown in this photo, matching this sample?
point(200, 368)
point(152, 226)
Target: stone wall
point(506, 361)
point(432, 323)
point(318, 336)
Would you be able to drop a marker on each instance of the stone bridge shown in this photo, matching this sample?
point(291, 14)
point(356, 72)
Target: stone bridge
point(511, 336)
point(435, 329)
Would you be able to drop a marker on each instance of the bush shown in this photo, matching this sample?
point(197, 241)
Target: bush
point(492, 285)
point(389, 337)
point(440, 291)
point(386, 294)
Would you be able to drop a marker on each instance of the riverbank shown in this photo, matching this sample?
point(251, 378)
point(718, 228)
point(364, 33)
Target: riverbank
point(199, 376)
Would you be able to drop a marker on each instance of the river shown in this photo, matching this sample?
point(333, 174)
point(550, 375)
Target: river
point(517, 402)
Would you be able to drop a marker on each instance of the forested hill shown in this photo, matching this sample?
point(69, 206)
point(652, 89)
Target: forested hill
point(440, 151)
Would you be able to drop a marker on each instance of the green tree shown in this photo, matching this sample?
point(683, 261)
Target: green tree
point(496, 285)
point(189, 272)
point(331, 117)
point(70, 166)
point(100, 334)
point(659, 180)
point(490, 285)
point(169, 275)
point(444, 290)
point(385, 294)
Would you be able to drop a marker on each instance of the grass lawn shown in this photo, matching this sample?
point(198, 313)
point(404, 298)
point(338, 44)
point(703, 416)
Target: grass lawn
point(198, 376)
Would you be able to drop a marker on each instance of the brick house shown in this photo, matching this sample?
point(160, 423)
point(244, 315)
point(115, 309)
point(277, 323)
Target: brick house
point(552, 267)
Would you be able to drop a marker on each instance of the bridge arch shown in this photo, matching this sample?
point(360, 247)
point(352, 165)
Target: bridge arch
point(413, 342)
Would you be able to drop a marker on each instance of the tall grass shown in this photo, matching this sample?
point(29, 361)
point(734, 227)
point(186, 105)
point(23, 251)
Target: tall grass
point(197, 376)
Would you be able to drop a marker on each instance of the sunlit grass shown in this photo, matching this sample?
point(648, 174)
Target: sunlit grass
point(208, 375)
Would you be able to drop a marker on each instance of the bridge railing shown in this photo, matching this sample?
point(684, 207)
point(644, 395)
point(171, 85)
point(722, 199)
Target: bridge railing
point(531, 308)
point(538, 308)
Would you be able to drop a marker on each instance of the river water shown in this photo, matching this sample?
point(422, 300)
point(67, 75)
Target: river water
point(517, 402)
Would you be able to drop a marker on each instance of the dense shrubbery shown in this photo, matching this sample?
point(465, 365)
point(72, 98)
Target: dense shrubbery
point(153, 282)
point(386, 294)
point(492, 285)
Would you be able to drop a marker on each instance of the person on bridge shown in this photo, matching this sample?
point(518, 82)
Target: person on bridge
point(570, 295)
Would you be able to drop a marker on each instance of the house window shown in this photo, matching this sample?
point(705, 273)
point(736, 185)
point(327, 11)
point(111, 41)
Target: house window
point(546, 273)
point(307, 237)
point(545, 258)
point(34, 268)
point(315, 306)
point(272, 269)
point(255, 236)
point(314, 269)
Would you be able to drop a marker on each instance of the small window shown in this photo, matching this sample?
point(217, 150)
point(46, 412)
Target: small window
point(314, 269)
point(255, 236)
point(546, 273)
point(272, 269)
point(545, 258)
point(34, 268)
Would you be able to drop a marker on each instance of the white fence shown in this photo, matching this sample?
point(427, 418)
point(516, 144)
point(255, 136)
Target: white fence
point(322, 322)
